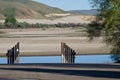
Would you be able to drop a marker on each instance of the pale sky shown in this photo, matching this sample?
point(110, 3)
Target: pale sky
point(68, 4)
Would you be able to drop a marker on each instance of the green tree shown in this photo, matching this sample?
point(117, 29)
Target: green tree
point(107, 23)
point(10, 20)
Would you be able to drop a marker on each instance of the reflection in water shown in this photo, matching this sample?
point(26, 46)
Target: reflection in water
point(57, 59)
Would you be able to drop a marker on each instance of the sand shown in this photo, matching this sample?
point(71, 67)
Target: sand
point(66, 19)
point(48, 42)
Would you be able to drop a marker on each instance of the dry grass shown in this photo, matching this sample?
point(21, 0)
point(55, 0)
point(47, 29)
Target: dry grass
point(26, 9)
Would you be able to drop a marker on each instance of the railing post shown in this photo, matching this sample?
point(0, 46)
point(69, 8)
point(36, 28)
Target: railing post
point(68, 54)
point(17, 50)
point(12, 54)
point(63, 52)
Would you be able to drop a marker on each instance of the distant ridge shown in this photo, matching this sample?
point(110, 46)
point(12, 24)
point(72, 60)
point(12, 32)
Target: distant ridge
point(92, 12)
point(26, 9)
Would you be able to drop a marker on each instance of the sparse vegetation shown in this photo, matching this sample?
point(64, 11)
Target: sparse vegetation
point(9, 12)
point(13, 24)
point(26, 9)
point(0, 26)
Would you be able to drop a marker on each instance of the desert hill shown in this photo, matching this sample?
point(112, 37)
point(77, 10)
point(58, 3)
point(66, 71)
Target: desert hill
point(26, 9)
point(34, 12)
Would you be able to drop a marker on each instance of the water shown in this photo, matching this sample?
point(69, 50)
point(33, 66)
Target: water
point(57, 59)
point(94, 59)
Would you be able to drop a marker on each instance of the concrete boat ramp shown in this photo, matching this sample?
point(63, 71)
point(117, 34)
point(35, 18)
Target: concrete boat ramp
point(54, 71)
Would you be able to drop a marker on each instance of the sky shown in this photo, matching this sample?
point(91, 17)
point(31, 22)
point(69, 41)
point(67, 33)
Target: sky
point(68, 4)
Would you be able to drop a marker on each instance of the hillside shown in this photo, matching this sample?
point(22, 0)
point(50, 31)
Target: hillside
point(92, 12)
point(26, 9)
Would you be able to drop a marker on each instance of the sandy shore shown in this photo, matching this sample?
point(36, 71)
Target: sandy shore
point(60, 72)
point(48, 42)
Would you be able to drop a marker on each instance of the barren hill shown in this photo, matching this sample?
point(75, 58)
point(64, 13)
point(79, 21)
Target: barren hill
point(34, 12)
point(26, 9)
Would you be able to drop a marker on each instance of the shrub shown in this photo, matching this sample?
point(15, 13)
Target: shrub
point(11, 20)
point(1, 26)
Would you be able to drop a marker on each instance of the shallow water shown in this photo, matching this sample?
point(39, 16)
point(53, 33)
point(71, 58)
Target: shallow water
point(57, 59)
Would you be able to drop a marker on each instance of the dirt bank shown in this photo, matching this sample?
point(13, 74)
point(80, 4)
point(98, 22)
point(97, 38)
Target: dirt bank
point(48, 42)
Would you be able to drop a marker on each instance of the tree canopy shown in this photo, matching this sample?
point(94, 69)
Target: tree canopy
point(107, 24)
